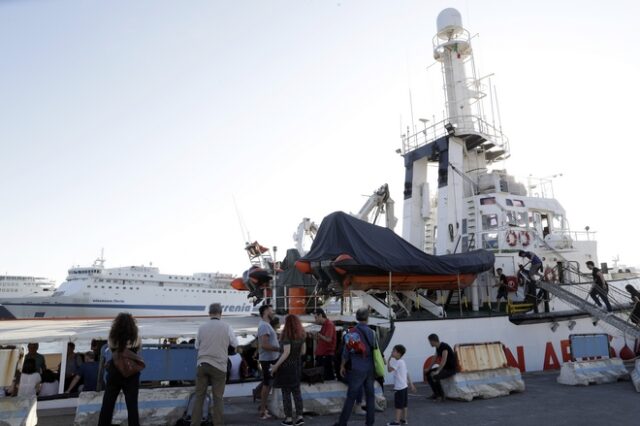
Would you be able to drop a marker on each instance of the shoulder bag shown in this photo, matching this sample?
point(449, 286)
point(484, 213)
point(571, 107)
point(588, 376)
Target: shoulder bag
point(128, 362)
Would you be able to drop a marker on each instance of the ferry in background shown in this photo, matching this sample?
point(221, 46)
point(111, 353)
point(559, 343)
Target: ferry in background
point(22, 286)
point(99, 292)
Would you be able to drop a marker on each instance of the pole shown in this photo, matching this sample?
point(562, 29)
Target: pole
point(459, 296)
point(389, 295)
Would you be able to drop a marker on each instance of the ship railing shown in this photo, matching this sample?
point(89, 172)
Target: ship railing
point(462, 125)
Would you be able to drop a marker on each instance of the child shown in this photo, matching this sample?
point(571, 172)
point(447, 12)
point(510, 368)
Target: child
point(401, 379)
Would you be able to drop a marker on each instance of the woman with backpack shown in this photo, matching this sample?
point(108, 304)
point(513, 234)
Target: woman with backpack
point(288, 369)
point(123, 336)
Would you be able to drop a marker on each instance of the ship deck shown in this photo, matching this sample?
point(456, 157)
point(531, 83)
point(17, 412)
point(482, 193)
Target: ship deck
point(543, 402)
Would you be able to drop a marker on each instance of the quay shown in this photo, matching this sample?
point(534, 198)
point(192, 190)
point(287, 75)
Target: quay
point(545, 402)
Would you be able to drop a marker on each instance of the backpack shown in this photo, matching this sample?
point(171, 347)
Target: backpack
point(353, 342)
point(185, 420)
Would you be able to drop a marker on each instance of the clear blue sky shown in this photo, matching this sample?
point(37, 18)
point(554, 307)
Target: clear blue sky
point(132, 125)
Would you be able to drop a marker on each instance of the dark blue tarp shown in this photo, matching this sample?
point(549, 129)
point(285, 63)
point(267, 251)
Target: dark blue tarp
point(380, 249)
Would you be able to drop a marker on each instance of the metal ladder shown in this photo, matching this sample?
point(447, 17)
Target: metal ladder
point(563, 292)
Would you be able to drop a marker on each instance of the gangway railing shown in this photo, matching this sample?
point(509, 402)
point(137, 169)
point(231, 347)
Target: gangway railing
point(574, 295)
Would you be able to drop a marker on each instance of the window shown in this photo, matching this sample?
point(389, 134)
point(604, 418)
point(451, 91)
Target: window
point(487, 201)
point(518, 203)
point(490, 241)
point(509, 202)
point(489, 221)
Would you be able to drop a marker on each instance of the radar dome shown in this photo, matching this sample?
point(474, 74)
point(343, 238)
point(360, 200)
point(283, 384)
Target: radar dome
point(449, 23)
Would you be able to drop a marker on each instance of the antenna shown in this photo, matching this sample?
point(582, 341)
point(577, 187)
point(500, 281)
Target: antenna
point(413, 124)
point(243, 228)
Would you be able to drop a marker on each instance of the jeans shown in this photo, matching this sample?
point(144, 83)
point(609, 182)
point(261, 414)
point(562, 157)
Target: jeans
point(205, 376)
point(129, 387)
point(326, 361)
point(287, 392)
point(434, 380)
point(597, 293)
point(356, 380)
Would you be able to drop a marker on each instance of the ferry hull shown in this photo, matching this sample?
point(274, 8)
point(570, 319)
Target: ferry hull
point(86, 309)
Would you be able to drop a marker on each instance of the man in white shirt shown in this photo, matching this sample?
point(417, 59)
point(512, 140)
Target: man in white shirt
point(213, 341)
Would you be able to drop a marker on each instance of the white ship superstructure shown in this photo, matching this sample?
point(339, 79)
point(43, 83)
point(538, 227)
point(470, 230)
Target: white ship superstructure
point(96, 291)
point(476, 204)
point(12, 286)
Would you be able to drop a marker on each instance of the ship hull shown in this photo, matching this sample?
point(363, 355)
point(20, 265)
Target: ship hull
point(85, 308)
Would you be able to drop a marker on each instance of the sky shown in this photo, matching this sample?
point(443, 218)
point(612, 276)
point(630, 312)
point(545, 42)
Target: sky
point(154, 129)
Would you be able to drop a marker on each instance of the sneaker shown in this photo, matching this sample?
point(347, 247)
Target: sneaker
point(299, 422)
point(403, 422)
point(360, 411)
point(393, 424)
point(286, 423)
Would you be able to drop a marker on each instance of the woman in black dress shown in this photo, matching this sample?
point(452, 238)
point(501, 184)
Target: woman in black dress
point(288, 369)
point(123, 335)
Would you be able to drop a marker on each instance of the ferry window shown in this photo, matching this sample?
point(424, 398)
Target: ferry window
point(509, 202)
point(109, 286)
point(489, 221)
point(487, 201)
point(130, 288)
point(102, 286)
point(117, 288)
point(518, 203)
point(137, 288)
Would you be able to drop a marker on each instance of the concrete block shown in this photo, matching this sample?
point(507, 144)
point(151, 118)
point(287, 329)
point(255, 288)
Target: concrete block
point(18, 411)
point(635, 376)
point(483, 384)
point(584, 373)
point(156, 406)
point(322, 398)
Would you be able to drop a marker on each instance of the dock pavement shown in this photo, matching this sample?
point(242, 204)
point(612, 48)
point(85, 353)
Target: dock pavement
point(544, 403)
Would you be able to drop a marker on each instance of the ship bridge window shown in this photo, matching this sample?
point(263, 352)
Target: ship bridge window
point(518, 203)
point(489, 221)
point(487, 201)
point(490, 240)
point(516, 218)
point(509, 202)
point(558, 222)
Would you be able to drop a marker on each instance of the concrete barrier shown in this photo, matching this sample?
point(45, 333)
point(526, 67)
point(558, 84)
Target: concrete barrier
point(156, 406)
point(483, 384)
point(18, 411)
point(635, 376)
point(584, 373)
point(322, 398)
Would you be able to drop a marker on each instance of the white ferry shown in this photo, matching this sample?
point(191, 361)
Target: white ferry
point(476, 204)
point(96, 291)
point(12, 286)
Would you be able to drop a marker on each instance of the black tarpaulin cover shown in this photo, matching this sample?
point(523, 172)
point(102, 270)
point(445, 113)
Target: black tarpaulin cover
point(381, 249)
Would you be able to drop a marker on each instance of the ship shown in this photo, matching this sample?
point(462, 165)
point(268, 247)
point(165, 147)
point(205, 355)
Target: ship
point(98, 292)
point(12, 286)
point(471, 205)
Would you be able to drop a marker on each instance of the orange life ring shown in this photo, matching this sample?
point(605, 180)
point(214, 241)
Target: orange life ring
point(512, 238)
point(512, 284)
point(525, 238)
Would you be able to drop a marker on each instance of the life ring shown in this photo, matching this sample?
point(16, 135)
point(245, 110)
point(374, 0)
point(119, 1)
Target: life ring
point(550, 274)
point(512, 284)
point(525, 238)
point(512, 238)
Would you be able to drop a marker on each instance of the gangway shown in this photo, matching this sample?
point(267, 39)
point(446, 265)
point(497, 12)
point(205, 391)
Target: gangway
point(563, 293)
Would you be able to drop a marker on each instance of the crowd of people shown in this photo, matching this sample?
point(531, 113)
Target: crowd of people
point(280, 358)
point(36, 379)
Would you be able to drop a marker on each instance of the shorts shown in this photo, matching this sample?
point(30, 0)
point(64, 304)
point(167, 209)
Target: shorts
point(267, 377)
point(401, 398)
point(502, 294)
